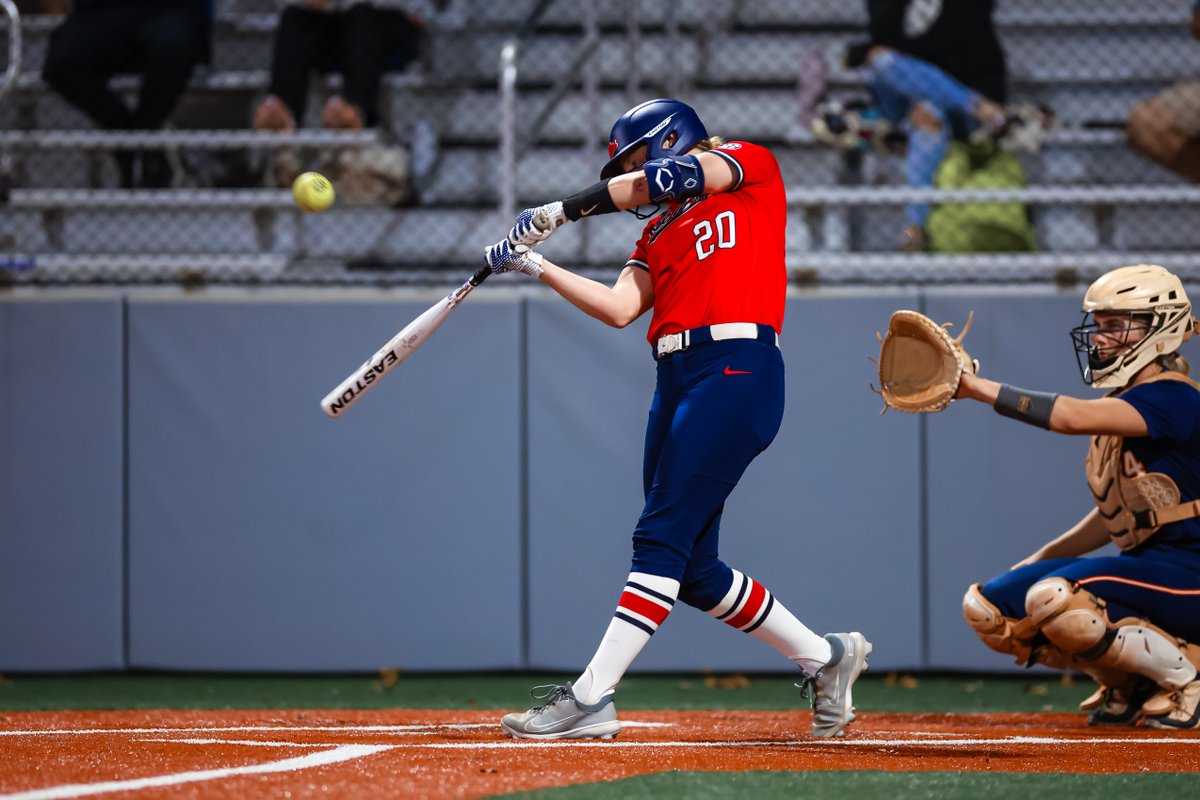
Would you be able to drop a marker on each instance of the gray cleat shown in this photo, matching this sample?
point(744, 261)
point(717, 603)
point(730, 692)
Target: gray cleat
point(563, 717)
point(832, 704)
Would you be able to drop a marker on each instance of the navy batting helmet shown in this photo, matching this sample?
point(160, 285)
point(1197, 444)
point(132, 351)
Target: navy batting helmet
point(652, 122)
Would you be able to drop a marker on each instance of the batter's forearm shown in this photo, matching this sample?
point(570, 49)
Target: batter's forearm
point(605, 197)
point(591, 297)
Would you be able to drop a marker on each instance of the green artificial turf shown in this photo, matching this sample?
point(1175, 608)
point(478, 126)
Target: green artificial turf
point(913, 693)
point(871, 785)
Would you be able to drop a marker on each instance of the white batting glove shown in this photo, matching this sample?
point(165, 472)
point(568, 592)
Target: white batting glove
point(526, 233)
point(504, 257)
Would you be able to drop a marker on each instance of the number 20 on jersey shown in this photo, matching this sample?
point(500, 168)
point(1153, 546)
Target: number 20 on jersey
point(723, 228)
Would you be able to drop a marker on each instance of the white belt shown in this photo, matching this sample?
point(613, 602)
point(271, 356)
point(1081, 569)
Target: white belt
point(674, 342)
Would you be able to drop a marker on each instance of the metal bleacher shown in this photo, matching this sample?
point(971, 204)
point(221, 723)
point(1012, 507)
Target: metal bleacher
point(737, 61)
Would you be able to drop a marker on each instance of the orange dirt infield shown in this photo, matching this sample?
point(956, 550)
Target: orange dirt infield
point(304, 754)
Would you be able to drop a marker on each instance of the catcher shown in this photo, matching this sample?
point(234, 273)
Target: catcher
point(1131, 622)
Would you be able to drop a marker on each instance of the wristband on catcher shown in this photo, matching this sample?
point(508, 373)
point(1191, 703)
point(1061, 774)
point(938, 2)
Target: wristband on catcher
point(591, 201)
point(1033, 408)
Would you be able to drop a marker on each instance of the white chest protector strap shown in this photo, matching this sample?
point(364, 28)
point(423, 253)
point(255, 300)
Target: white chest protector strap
point(1134, 508)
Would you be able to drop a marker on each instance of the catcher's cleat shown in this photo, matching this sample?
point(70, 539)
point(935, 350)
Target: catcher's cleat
point(1119, 705)
point(1183, 705)
point(563, 717)
point(833, 709)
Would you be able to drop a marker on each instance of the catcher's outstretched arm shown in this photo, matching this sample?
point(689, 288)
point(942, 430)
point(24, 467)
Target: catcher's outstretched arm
point(1058, 413)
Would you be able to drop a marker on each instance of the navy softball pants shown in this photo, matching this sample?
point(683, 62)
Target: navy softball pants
point(716, 407)
point(1162, 592)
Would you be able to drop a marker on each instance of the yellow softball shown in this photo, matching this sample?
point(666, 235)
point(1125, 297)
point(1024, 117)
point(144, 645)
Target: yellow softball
point(313, 192)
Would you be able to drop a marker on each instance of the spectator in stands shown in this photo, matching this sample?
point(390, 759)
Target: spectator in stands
point(358, 38)
point(1166, 128)
point(936, 66)
point(163, 40)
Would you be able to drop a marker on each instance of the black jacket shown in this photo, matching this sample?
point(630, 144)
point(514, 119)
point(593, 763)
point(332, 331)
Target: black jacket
point(961, 40)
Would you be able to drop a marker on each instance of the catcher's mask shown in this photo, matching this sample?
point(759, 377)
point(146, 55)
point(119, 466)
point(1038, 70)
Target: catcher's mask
point(652, 123)
point(1141, 299)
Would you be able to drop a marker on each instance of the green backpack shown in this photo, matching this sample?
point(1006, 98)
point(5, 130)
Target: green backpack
point(979, 227)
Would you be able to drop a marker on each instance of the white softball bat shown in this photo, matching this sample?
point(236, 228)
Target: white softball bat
point(403, 344)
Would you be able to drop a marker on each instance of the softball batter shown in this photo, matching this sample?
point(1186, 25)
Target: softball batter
point(1132, 621)
point(711, 266)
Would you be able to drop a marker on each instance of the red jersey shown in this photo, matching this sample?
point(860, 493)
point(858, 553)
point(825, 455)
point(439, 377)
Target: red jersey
point(720, 257)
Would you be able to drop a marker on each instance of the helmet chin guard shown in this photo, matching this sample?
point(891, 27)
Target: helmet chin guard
point(652, 123)
point(1147, 296)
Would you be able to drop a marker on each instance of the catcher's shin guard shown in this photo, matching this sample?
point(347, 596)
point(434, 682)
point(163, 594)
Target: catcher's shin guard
point(1077, 621)
point(1002, 634)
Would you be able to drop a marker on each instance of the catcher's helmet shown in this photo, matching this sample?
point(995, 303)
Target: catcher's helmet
point(1150, 296)
point(652, 122)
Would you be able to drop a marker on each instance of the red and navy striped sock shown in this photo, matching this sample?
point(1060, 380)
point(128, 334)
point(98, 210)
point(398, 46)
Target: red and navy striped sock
point(751, 608)
point(644, 605)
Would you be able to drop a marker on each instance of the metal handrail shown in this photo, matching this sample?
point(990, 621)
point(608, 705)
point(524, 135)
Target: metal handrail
point(210, 140)
point(1039, 195)
point(1065, 267)
point(14, 46)
point(508, 109)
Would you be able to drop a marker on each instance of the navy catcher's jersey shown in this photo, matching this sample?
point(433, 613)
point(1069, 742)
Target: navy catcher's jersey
point(1171, 409)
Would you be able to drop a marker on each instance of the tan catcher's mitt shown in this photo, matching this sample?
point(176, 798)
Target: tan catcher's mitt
point(920, 366)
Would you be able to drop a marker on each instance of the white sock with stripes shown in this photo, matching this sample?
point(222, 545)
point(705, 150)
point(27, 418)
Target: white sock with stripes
point(750, 608)
point(644, 605)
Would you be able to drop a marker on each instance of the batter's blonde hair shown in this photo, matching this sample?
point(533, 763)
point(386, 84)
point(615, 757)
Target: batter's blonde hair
point(711, 143)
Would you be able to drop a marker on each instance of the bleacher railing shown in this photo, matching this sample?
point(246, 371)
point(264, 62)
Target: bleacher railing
point(509, 106)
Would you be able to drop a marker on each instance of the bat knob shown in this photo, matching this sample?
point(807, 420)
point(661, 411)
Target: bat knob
point(541, 221)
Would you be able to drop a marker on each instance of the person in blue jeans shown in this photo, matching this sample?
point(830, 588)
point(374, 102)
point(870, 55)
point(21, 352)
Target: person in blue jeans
point(937, 108)
point(935, 68)
point(1131, 621)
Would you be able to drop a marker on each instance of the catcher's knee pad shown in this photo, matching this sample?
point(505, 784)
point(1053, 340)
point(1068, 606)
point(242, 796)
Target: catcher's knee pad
point(1077, 621)
point(1002, 634)
point(1072, 618)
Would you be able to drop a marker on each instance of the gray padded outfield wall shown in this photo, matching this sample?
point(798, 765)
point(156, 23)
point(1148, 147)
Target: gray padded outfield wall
point(266, 536)
point(61, 439)
point(474, 511)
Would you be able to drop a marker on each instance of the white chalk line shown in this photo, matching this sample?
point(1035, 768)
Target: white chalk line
point(340, 753)
point(408, 729)
point(245, 742)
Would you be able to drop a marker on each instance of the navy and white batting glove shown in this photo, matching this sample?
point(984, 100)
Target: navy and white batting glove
point(504, 257)
point(526, 233)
